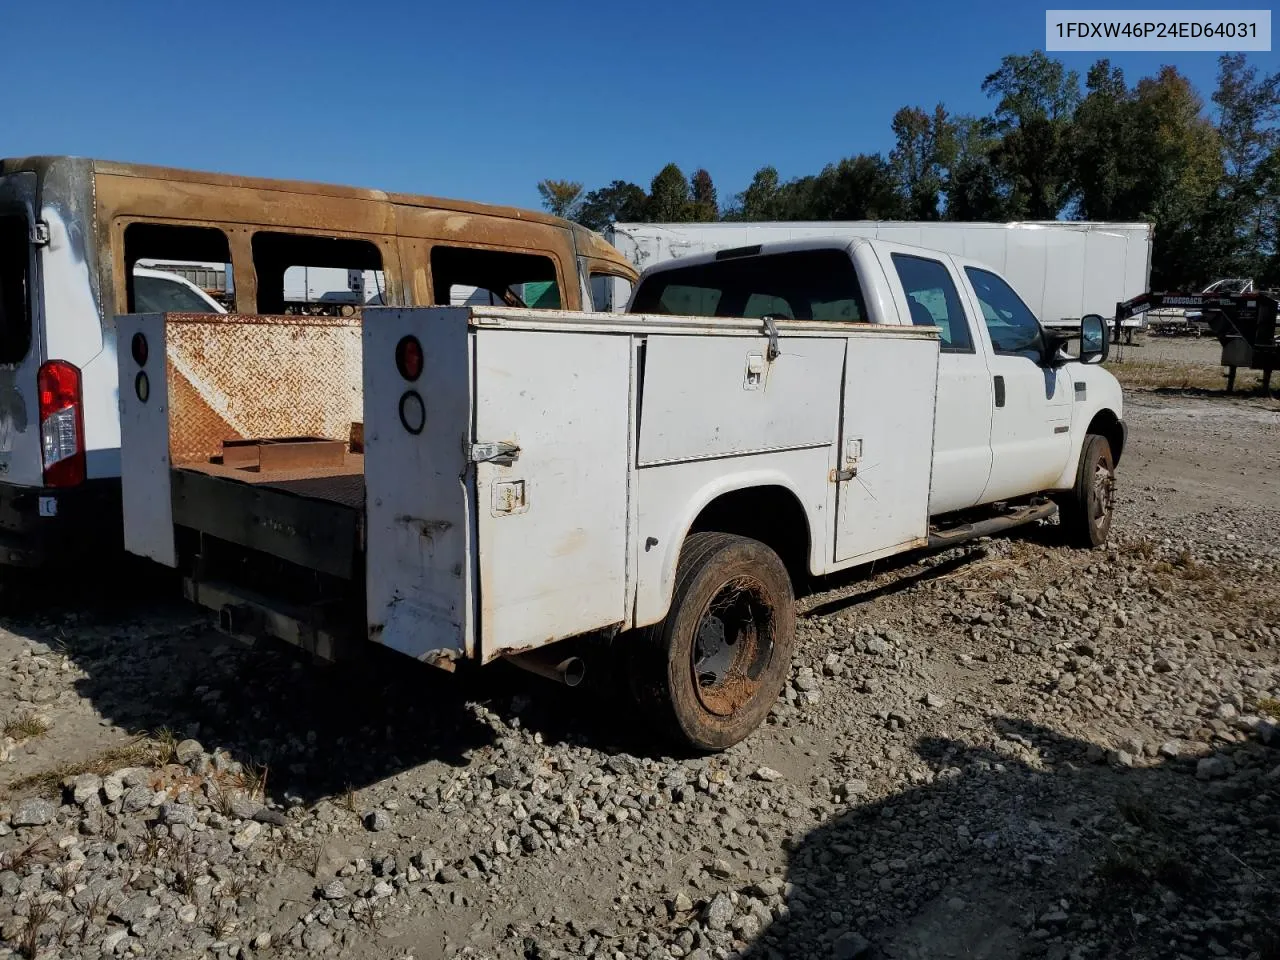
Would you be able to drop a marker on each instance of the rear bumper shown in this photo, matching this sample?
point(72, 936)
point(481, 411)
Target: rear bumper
point(41, 527)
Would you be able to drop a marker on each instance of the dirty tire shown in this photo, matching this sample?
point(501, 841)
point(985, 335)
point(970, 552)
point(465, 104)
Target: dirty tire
point(709, 673)
point(1088, 509)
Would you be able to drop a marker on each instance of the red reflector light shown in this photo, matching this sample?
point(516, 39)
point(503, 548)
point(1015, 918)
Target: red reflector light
point(139, 349)
point(61, 423)
point(409, 358)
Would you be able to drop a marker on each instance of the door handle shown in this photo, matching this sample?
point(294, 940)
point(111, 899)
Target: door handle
point(999, 384)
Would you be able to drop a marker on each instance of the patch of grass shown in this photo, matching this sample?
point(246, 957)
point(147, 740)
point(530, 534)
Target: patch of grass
point(1270, 706)
point(25, 726)
point(29, 939)
point(1136, 813)
point(151, 849)
point(222, 920)
point(1124, 873)
point(1176, 874)
point(21, 858)
point(1190, 568)
point(165, 744)
point(223, 801)
point(238, 886)
point(349, 799)
point(95, 908)
point(141, 752)
point(186, 869)
point(253, 780)
point(1171, 375)
point(64, 880)
point(1143, 548)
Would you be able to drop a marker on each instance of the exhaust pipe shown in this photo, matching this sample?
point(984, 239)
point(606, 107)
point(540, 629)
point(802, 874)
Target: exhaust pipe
point(549, 664)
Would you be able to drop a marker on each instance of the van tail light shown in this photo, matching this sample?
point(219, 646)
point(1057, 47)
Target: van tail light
point(61, 423)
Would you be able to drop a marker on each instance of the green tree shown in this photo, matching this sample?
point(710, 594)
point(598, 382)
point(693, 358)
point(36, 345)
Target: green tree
point(560, 196)
point(1107, 145)
point(669, 197)
point(705, 206)
point(1249, 108)
point(973, 189)
point(1179, 174)
point(861, 187)
point(925, 149)
point(619, 201)
point(761, 200)
point(1036, 99)
point(1268, 260)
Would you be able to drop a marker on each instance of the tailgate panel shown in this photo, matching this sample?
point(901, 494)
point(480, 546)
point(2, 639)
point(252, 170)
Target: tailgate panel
point(419, 552)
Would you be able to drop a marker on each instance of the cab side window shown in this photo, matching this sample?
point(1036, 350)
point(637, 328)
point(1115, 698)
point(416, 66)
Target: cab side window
point(933, 300)
point(1013, 328)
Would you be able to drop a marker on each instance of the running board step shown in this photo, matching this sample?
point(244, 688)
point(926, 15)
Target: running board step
point(985, 528)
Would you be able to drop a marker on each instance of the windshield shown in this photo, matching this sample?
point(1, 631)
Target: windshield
point(15, 297)
point(798, 285)
point(1229, 287)
point(161, 295)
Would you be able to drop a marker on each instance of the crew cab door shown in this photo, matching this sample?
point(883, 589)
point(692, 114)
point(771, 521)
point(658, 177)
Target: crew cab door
point(926, 290)
point(1031, 412)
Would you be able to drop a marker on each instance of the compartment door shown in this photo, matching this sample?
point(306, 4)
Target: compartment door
point(886, 446)
point(552, 521)
point(145, 482)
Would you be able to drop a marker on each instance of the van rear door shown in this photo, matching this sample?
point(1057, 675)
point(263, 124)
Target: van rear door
point(20, 461)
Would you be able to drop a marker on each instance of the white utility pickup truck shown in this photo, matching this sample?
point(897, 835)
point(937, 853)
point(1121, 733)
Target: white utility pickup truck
point(463, 484)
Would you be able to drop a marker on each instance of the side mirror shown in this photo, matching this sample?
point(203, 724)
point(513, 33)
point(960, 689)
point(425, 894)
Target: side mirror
point(1055, 345)
point(1094, 342)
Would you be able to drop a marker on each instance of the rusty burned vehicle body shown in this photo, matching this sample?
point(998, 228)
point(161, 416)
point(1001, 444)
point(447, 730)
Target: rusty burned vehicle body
point(81, 241)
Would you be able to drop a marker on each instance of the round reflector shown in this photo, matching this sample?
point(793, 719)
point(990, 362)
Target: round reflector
point(142, 386)
point(413, 415)
point(409, 358)
point(139, 347)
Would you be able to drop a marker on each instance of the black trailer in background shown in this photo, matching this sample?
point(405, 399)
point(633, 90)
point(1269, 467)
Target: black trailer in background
point(1244, 324)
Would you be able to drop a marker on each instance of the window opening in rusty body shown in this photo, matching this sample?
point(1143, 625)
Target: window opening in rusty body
point(317, 276)
point(15, 295)
point(466, 275)
point(200, 255)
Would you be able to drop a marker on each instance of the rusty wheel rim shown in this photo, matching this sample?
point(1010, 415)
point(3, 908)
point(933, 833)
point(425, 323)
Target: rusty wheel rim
point(732, 646)
point(1104, 491)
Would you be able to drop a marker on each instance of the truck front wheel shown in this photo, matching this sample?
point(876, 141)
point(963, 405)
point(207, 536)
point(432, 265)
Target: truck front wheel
point(709, 673)
point(1087, 510)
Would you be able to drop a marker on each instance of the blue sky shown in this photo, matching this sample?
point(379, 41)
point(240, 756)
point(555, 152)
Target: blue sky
point(479, 100)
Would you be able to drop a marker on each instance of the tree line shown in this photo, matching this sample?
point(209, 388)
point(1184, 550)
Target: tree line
point(1209, 181)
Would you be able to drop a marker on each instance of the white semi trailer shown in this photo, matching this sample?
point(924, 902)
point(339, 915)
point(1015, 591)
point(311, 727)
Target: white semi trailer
point(1063, 270)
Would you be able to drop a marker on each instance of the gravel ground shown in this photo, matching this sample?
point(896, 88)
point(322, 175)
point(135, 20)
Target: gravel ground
point(1012, 750)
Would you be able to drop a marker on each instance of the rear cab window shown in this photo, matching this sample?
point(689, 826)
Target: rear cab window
point(933, 300)
point(819, 284)
point(15, 293)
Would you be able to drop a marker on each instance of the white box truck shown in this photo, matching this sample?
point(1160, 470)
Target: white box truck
point(1062, 269)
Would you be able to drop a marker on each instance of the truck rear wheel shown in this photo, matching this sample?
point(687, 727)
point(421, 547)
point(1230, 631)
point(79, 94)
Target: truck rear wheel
point(709, 673)
point(1087, 510)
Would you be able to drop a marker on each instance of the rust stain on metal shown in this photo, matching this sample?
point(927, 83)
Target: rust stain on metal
point(236, 377)
point(285, 453)
point(427, 529)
